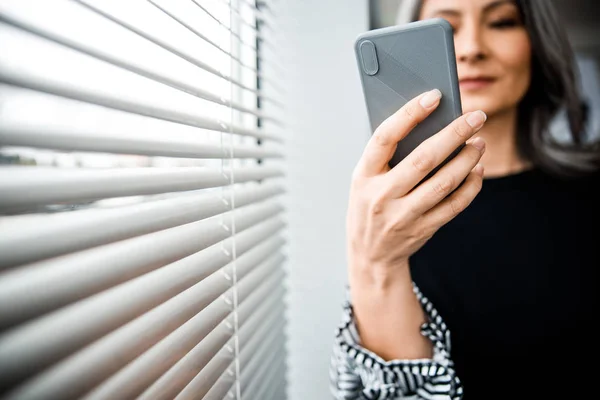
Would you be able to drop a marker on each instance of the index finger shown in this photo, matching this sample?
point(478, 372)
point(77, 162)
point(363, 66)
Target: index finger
point(383, 142)
point(433, 151)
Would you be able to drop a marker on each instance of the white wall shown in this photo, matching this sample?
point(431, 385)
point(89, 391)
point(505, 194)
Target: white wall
point(327, 128)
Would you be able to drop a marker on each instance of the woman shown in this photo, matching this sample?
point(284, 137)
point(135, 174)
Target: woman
point(504, 268)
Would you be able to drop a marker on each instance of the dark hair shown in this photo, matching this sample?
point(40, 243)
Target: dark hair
point(553, 90)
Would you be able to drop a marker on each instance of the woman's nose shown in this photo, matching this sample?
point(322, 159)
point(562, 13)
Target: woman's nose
point(469, 44)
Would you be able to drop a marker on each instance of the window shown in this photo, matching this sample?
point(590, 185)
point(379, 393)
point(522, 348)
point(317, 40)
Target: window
point(141, 225)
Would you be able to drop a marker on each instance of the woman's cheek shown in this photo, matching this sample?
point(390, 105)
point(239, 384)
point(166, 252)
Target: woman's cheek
point(515, 54)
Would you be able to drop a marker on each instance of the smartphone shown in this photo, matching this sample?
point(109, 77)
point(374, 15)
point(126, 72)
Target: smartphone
point(400, 62)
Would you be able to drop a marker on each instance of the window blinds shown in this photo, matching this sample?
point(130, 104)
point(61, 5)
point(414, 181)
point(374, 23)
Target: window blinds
point(141, 221)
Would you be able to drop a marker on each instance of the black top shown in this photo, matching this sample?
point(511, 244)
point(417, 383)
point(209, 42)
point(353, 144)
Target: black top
point(515, 277)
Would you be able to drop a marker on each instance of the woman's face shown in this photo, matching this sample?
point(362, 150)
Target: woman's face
point(493, 51)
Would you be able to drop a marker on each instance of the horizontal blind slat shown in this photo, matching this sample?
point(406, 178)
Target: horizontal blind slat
point(270, 45)
point(185, 370)
point(264, 18)
point(131, 381)
point(75, 375)
point(76, 276)
point(86, 368)
point(253, 273)
point(32, 351)
point(198, 385)
point(251, 279)
point(252, 341)
point(277, 391)
point(256, 36)
point(79, 29)
point(265, 371)
point(211, 386)
point(237, 14)
point(264, 354)
point(144, 370)
point(270, 42)
point(219, 389)
point(247, 307)
point(269, 382)
point(19, 301)
point(30, 238)
point(224, 26)
point(176, 16)
point(143, 19)
point(24, 187)
point(135, 23)
point(175, 384)
point(269, 307)
point(260, 16)
point(72, 74)
point(37, 119)
point(256, 343)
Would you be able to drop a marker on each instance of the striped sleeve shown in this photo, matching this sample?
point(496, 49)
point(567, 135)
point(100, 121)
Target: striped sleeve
point(357, 373)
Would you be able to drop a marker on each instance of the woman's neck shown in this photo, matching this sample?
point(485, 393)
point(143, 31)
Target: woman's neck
point(501, 157)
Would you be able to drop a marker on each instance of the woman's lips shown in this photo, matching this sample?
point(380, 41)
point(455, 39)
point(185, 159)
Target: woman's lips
point(475, 83)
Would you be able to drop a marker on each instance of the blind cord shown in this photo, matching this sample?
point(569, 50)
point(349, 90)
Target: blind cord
point(232, 41)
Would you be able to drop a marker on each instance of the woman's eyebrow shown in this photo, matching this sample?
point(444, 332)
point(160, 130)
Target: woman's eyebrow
point(495, 4)
point(486, 9)
point(448, 11)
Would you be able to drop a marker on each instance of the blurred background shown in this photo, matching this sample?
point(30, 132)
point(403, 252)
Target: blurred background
point(173, 191)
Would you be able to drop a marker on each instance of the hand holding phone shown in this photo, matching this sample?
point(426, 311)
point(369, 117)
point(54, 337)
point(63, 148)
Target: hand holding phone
point(390, 215)
point(413, 176)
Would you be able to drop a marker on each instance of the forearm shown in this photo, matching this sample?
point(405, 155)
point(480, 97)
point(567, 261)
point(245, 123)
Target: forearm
point(388, 314)
point(419, 364)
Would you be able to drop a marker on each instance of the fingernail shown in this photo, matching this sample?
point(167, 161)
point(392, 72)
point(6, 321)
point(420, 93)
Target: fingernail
point(479, 144)
point(430, 98)
point(476, 119)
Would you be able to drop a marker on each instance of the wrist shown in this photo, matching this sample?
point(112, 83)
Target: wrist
point(379, 276)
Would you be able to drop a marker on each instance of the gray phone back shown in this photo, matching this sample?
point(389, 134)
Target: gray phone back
point(401, 62)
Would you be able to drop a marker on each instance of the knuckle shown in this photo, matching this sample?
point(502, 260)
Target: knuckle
point(392, 226)
point(428, 229)
point(377, 205)
point(456, 205)
point(461, 130)
point(397, 225)
point(410, 111)
point(380, 138)
point(427, 232)
point(420, 232)
point(421, 162)
point(389, 227)
point(444, 186)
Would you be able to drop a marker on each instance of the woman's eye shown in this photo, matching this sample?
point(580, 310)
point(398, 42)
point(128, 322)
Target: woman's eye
point(504, 23)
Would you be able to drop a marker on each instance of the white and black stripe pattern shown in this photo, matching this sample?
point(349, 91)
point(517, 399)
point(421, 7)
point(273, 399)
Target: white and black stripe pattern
point(357, 373)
